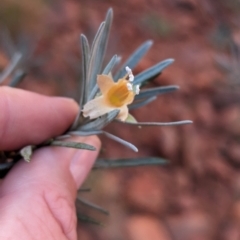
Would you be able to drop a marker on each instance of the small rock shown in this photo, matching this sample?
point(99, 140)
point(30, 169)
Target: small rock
point(193, 225)
point(145, 192)
point(142, 227)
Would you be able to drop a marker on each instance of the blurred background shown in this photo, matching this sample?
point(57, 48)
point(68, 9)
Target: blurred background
point(197, 195)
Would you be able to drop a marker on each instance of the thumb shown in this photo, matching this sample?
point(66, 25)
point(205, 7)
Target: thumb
point(46, 189)
point(64, 167)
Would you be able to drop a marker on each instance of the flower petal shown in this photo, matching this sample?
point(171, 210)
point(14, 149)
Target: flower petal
point(96, 108)
point(104, 83)
point(123, 114)
point(130, 98)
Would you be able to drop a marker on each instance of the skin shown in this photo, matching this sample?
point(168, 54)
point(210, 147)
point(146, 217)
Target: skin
point(37, 198)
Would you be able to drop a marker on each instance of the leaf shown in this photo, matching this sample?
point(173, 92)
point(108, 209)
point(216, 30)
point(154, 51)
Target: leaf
point(123, 142)
point(153, 71)
point(138, 104)
point(224, 63)
point(63, 136)
point(156, 91)
point(27, 44)
point(100, 122)
point(85, 59)
point(84, 190)
point(134, 59)
point(17, 78)
point(160, 123)
point(77, 145)
point(110, 65)
point(11, 67)
point(85, 133)
point(129, 162)
point(87, 219)
point(106, 71)
point(98, 51)
point(6, 41)
point(94, 60)
point(92, 205)
point(4, 166)
point(108, 24)
point(82, 82)
point(109, 135)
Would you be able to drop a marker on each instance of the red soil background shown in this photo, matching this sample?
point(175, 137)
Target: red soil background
point(197, 195)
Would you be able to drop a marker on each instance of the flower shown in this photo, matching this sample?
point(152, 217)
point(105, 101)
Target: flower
point(103, 99)
point(115, 95)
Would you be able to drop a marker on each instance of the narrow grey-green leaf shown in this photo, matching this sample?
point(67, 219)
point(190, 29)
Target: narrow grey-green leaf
point(134, 59)
point(138, 104)
point(151, 72)
point(93, 92)
point(224, 63)
point(84, 190)
point(108, 21)
point(26, 45)
point(85, 133)
point(119, 59)
point(7, 165)
point(87, 219)
point(100, 122)
point(10, 68)
point(95, 60)
point(109, 135)
point(63, 136)
point(98, 51)
point(77, 145)
point(129, 162)
point(92, 205)
point(110, 65)
point(85, 59)
point(17, 78)
point(6, 42)
point(120, 140)
point(82, 82)
point(106, 71)
point(155, 91)
point(159, 123)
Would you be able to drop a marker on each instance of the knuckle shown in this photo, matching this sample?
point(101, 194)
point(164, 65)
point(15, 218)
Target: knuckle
point(63, 210)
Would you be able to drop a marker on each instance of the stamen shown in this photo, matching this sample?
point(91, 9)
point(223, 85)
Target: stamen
point(129, 86)
point(131, 78)
point(130, 74)
point(137, 89)
point(129, 71)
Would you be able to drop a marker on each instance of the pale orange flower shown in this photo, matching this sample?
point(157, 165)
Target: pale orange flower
point(115, 95)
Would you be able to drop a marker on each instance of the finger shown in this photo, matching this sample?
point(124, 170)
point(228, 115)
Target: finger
point(29, 118)
point(83, 161)
point(66, 167)
point(52, 177)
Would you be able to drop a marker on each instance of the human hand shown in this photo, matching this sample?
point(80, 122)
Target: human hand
point(37, 199)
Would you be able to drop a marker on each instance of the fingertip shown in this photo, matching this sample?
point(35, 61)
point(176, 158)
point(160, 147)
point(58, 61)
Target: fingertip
point(83, 161)
point(29, 118)
point(65, 168)
point(69, 106)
